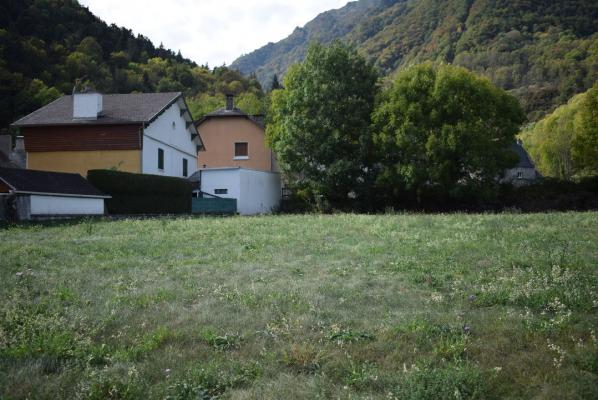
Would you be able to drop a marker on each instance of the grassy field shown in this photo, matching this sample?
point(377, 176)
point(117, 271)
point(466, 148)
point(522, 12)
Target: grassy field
point(302, 307)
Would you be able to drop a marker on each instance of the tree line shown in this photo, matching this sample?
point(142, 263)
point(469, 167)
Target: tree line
point(47, 46)
point(564, 144)
point(435, 131)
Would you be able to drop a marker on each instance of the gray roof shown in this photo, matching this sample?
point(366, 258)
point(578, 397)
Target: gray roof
point(235, 112)
point(223, 112)
point(524, 159)
point(60, 183)
point(117, 109)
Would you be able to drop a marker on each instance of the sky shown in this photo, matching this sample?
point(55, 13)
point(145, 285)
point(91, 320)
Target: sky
point(211, 31)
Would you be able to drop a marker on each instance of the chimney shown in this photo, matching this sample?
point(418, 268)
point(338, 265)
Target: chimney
point(87, 105)
point(19, 155)
point(230, 102)
point(20, 143)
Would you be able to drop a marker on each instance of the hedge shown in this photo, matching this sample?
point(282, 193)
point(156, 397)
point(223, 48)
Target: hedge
point(142, 194)
point(545, 195)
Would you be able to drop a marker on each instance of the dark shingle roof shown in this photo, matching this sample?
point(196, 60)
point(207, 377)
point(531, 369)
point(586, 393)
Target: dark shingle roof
point(235, 112)
point(117, 109)
point(524, 158)
point(223, 112)
point(27, 181)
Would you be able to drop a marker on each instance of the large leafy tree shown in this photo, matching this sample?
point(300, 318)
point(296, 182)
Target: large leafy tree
point(443, 129)
point(319, 122)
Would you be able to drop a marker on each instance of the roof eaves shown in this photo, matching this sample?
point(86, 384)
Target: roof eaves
point(170, 103)
point(88, 122)
point(210, 116)
point(18, 123)
point(191, 120)
point(95, 196)
point(7, 183)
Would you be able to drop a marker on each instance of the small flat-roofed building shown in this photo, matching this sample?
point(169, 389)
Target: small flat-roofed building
point(27, 194)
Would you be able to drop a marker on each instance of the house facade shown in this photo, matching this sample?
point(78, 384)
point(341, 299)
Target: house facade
point(149, 133)
point(233, 138)
point(524, 173)
point(236, 163)
point(28, 194)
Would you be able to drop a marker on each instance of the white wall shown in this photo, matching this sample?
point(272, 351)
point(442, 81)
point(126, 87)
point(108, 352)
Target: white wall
point(176, 143)
point(60, 205)
point(260, 192)
point(212, 179)
point(257, 192)
point(528, 175)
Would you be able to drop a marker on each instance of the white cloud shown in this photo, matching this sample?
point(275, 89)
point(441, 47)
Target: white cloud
point(212, 31)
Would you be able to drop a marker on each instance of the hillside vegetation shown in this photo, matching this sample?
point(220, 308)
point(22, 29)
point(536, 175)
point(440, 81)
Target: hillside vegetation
point(302, 307)
point(564, 144)
point(543, 52)
point(47, 46)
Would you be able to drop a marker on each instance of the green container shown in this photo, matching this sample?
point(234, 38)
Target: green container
point(214, 206)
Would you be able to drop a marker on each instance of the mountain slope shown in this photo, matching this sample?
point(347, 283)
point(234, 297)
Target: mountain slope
point(47, 46)
point(542, 51)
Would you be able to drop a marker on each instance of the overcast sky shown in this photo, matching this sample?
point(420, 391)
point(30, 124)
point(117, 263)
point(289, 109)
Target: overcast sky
point(212, 31)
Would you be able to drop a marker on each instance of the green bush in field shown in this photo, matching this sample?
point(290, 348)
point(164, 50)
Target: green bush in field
point(453, 381)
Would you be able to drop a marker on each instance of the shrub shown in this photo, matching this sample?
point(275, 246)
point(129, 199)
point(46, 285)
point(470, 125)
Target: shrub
point(142, 194)
point(228, 341)
point(453, 381)
point(303, 358)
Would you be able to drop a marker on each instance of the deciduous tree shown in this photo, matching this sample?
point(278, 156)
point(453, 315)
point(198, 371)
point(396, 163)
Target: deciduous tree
point(444, 129)
point(320, 122)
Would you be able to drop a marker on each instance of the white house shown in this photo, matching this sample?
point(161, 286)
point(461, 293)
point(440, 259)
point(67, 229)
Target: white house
point(172, 136)
point(257, 192)
point(27, 194)
point(148, 133)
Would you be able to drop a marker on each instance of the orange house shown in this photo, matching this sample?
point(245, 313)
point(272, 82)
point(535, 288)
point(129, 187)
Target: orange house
point(232, 138)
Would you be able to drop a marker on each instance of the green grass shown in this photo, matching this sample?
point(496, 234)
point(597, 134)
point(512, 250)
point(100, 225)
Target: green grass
point(303, 307)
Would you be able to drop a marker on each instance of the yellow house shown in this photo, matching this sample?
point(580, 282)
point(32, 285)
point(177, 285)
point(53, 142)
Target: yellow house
point(151, 133)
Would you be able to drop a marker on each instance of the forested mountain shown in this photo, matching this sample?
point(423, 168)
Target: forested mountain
point(46, 46)
point(542, 51)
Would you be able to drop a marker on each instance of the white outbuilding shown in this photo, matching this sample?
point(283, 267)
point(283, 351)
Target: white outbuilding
point(257, 192)
point(29, 194)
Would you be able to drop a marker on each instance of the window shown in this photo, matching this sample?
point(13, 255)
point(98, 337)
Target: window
point(220, 191)
point(185, 167)
point(173, 125)
point(519, 175)
point(241, 151)
point(161, 159)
